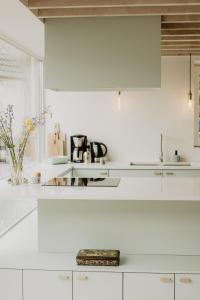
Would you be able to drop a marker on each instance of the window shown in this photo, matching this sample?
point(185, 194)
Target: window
point(20, 85)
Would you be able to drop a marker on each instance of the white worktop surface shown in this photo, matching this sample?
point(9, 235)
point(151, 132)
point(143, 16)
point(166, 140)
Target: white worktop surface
point(132, 188)
point(18, 250)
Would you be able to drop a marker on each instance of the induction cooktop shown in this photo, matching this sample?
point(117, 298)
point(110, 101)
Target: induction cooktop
point(84, 182)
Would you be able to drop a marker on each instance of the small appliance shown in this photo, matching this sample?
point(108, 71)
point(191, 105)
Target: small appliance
point(78, 147)
point(98, 150)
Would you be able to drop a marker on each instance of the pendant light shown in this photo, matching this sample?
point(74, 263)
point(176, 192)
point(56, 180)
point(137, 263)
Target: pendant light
point(119, 100)
point(190, 90)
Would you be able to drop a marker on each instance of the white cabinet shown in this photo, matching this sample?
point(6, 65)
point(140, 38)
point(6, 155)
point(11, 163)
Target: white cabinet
point(181, 173)
point(134, 173)
point(97, 286)
point(90, 173)
point(187, 287)
point(148, 286)
point(10, 284)
point(47, 285)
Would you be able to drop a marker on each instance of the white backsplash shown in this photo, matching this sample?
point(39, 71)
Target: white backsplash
point(133, 133)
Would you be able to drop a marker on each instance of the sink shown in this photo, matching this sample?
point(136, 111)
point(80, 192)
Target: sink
point(144, 164)
point(170, 164)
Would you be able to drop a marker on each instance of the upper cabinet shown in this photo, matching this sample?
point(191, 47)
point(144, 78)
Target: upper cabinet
point(102, 53)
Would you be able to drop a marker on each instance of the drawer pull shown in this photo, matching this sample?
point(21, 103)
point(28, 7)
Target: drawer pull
point(104, 173)
point(158, 173)
point(82, 278)
point(169, 173)
point(166, 280)
point(185, 280)
point(64, 277)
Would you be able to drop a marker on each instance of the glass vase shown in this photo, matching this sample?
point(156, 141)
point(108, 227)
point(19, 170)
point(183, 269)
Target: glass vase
point(16, 168)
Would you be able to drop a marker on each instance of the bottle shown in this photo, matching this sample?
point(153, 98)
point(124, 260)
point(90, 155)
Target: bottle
point(177, 157)
point(87, 155)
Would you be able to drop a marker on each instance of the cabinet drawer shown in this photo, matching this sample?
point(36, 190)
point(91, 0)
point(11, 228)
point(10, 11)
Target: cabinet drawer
point(148, 286)
point(97, 286)
point(181, 173)
point(90, 173)
point(187, 286)
point(135, 173)
point(10, 284)
point(47, 285)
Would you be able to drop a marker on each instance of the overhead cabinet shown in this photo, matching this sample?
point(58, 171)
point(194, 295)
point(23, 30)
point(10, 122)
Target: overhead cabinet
point(102, 53)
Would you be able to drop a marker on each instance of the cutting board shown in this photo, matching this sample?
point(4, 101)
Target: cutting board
point(56, 144)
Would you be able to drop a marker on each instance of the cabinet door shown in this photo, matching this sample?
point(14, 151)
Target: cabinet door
point(148, 286)
point(135, 173)
point(10, 284)
point(181, 173)
point(97, 286)
point(187, 287)
point(47, 285)
point(90, 173)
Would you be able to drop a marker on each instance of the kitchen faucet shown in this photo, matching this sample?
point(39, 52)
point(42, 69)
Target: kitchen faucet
point(161, 148)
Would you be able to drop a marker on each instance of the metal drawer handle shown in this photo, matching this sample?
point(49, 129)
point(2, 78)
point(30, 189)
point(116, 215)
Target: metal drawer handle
point(185, 280)
point(64, 277)
point(166, 280)
point(82, 278)
point(104, 173)
point(158, 173)
point(169, 173)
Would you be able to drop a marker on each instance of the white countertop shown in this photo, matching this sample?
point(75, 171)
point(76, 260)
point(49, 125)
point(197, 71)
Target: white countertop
point(135, 188)
point(18, 250)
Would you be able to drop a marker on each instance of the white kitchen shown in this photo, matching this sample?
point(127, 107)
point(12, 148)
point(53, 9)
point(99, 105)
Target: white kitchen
point(99, 150)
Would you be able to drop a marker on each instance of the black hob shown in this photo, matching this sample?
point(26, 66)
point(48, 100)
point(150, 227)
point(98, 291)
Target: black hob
point(84, 182)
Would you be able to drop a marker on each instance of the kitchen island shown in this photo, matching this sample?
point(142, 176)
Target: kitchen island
point(155, 222)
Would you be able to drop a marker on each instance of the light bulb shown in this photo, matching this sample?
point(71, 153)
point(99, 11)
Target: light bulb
point(119, 101)
point(190, 99)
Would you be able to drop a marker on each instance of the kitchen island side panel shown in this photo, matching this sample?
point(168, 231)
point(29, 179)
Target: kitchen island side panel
point(153, 227)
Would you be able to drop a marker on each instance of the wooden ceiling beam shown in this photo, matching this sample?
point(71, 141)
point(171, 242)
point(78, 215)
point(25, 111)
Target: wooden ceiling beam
point(178, 53)
point(189, 32)
point(180, 18)
point(105, 3)
point(180, 38)
point(119, 11)
point(180, 25)
point(179, 43)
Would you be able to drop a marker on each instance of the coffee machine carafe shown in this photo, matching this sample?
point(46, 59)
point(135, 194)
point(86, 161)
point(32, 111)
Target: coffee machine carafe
point(78, 147)
point(98, 150)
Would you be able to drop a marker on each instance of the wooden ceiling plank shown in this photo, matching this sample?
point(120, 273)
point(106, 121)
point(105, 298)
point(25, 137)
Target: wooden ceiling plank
point(105, 3)
point(180, 18)
point(119, 11)
point(186, 43)
point(190, 32)
point(181, 25)
point(180, 38)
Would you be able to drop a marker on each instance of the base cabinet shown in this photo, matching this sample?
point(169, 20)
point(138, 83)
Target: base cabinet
point(148, 286)
point(97, 286)
point(187, 287)
point(10, 284)
point(47, 285)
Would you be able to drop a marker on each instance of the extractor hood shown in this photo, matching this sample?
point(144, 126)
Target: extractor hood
point(103, 53)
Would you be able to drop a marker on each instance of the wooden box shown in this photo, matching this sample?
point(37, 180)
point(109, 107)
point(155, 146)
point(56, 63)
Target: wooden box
point(96, 257)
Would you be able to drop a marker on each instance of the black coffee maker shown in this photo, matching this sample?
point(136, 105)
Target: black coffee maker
point(78, 147)
point(98, 150)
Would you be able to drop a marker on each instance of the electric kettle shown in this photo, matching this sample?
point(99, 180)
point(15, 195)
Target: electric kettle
point(98, 150)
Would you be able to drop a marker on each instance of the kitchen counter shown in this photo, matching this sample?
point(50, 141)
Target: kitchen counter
point(19, 250)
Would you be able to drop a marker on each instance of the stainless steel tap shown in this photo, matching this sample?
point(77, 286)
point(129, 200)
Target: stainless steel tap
point(161, 148)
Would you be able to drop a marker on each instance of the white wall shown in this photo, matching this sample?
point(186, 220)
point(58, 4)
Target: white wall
point(19, 25)
point(133, 133)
